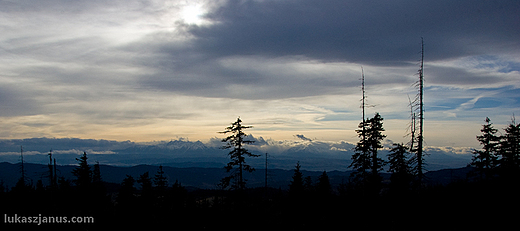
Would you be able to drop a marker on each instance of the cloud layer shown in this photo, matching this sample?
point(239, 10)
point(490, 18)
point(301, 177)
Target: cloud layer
point(145, 70)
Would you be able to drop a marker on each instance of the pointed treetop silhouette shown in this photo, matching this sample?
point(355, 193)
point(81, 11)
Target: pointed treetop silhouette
point(83, 173)
point(510, 150)
point(365, 162)
point(297, 184)
point(485, 160)
point(237, 155)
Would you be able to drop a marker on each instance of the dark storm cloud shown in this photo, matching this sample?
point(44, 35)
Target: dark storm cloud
point(374, 32)
point(233, 56)
point(182, 68)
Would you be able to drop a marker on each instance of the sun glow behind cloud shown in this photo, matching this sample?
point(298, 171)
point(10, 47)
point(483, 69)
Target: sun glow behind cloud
point(193, 14)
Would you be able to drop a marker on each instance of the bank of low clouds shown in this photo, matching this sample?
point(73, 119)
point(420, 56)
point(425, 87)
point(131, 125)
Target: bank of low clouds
point(311, 153)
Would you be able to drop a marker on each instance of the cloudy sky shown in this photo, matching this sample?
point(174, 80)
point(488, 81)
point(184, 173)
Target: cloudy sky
point(144, 70)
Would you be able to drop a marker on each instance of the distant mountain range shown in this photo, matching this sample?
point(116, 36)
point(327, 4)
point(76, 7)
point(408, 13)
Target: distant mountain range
point(312, 154)
point(196, 177)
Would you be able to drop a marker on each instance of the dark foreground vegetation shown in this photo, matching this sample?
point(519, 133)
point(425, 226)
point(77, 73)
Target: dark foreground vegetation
point(150, 202)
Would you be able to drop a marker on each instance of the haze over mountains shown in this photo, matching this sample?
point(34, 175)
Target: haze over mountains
point(312, 154)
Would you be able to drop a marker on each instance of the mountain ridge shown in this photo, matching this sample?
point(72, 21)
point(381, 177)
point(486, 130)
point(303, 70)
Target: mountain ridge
point(317, 155)
point(200, 177)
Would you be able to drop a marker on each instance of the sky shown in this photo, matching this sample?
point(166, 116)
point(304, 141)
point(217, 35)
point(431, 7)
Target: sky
point(144, 70)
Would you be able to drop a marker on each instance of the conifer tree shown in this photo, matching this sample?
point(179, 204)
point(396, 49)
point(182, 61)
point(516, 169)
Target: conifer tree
point(96, 174)
point(510, 150)
point(161, 185)
point(375, 137)
point(361, 158)
point(82, 173)
point(399, 167)
point(126, 193)
point(485, 160)
point(146, 182)
point(98, 189)
point(296, 187)
point(146, 189)
point(178, 195)
point(323, 186)
point(365, 160)
point(160, 181)
point(237, 155)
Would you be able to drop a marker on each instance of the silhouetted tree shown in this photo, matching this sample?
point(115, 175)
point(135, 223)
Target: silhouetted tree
point(52, 172)
point(97, 182)
point(82, 173)
point(161, 185)
point(296, 187)
point(485, 160)
point(178, 195)
point(237, 155)
point(375, 137)
point(323, 186)
point(365, 161)
point(419, 159)
point(399, 166)
point(160, 181)
point(510, 150)
point(98, 190)
point(96, 174)
point(361, 157)
point(146, 185)
point(126, 195)
point(21, 186)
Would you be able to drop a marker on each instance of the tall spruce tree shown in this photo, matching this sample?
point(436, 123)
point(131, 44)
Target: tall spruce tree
point(323, 186)
point(485, 160)
point(510, 150)
point(126, 195)
point(296, 187)
point(146, 196)
point(96, 174)
point(161, 186)
point(399, 167)
point(160, 181)
point(365, 161)
point(98, 191)
point(83, 173)
point(361, 158)
point(238, 155)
